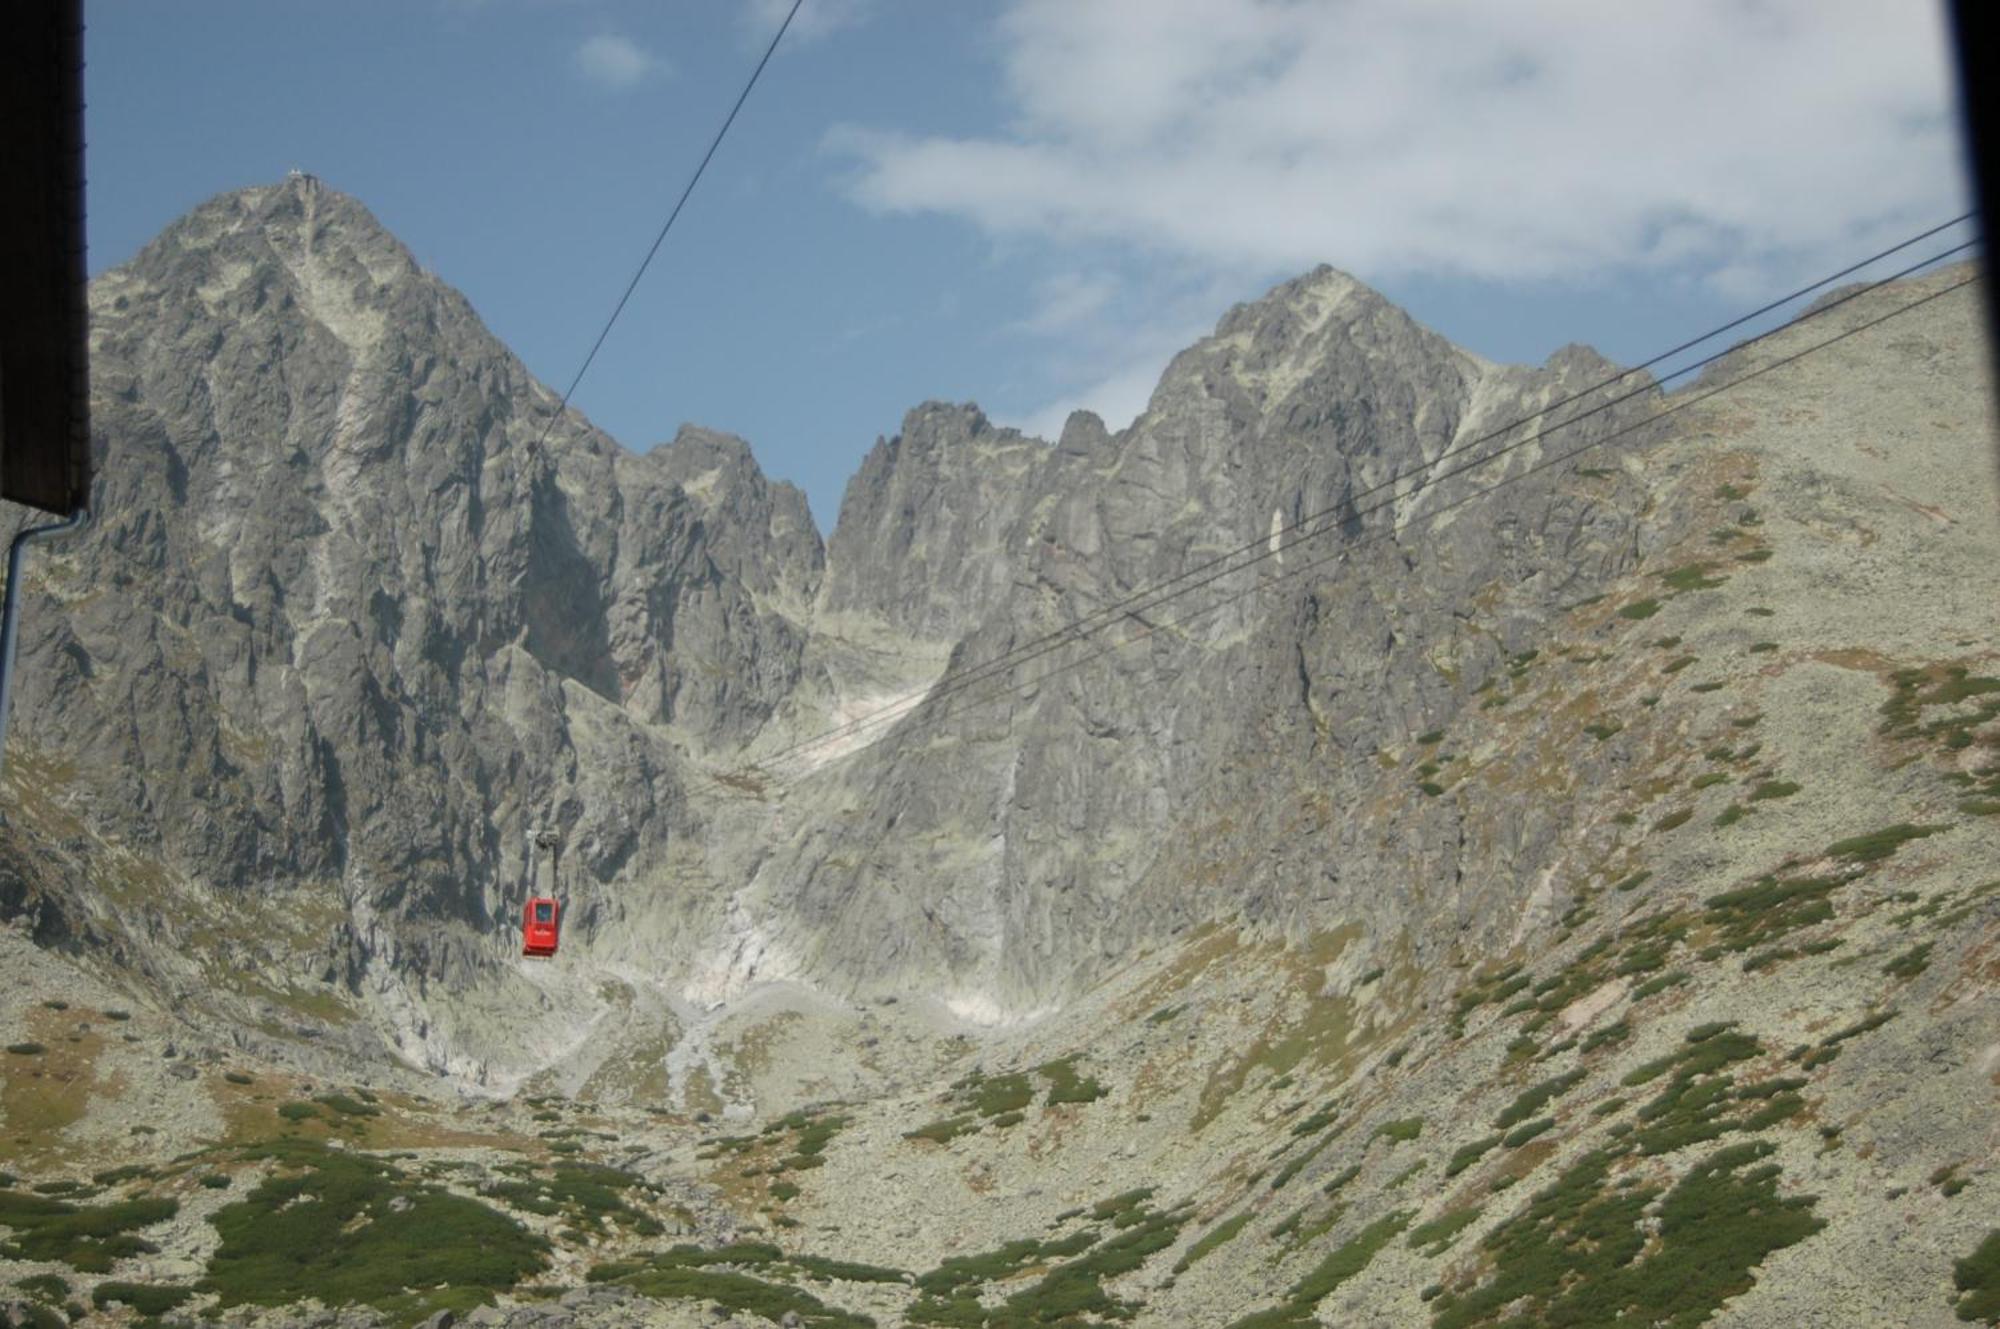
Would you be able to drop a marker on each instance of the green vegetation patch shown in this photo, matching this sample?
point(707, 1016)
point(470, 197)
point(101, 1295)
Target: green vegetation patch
point(1658, 984)
point(1340, 1180)
point(814, 1136)
point(1639, 609)
point(1066, 1085)
point(1527, 1131)
point(1002, 1093)
point(1704, 1053)
point(1692, 577)
point(1431, 1238)
point(961, 1276)
point(1702, 1099)
point(1977, 1278)
point(848, 1271)
point(1069, 1292)
point(145, 1298)
point(1219, 1235)
point(1912, 690)
point(1910, 963)
point(119, 1175)
point(1002, 1101)
point(86, 1238)
point(1532, 1099)
point(1400, 1131)
point(1492, 989)
point(587, 1195)
point(1466, 1155)
point(1347, 1260)
point(944, 1130)
point(1125, 1203)
point(1298, 1165)
point(1605, 1037)
point(1580, 1253)
point(690, 1273)
point(1759, 915)
point(348, 1230)
point(49, 1287)
point(1318, 1121)
point(1878, 845)
point(1828, 1048)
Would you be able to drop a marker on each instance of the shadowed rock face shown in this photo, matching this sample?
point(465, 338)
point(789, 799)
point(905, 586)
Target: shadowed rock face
point(343, 595)
point(360, 610)
point(1028, 832)
point(1568, 906)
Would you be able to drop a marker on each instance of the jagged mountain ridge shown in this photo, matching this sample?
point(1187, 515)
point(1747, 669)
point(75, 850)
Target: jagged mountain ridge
point(356, 597)
point(1578, 907)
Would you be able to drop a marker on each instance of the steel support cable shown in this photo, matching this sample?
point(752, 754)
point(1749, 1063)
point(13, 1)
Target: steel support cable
point(1081, 627)
point(1148, 630)
point(1263, 549)
point(668, 225)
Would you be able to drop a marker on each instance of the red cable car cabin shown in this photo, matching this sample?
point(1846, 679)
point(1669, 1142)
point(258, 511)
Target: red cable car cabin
point(539, 921)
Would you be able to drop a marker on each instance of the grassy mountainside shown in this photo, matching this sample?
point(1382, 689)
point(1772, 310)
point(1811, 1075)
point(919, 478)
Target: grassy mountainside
point(1733, 1059)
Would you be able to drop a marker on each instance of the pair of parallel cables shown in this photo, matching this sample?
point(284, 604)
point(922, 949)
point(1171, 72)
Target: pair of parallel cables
point(1340, 517)
point(1337, 517)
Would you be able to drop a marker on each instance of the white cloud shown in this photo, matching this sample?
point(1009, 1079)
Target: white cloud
point(1067, 301)
point(817, 18)
point(1108, 338)
point(615, 62)
point(1118, 397)
point(1542, 140)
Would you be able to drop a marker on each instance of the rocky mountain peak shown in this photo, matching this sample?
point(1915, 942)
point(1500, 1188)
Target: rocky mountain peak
point(1498, 836)
point(1082, 433)
point(1302, 305)
point(921, 542)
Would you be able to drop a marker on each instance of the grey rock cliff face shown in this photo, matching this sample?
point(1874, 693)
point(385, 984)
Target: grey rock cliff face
point(1034, 826)
point(923, 540)
point(359, 613)
point(344, 596)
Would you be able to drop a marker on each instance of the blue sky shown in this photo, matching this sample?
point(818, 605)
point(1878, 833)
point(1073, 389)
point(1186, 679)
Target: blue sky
point(1032, 203)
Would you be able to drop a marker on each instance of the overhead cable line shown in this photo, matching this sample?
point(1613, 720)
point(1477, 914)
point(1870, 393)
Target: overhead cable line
point(668, 225)
point(1149, 629)
point(1344, 550)
point(1158, 592)
point(1079, 628)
